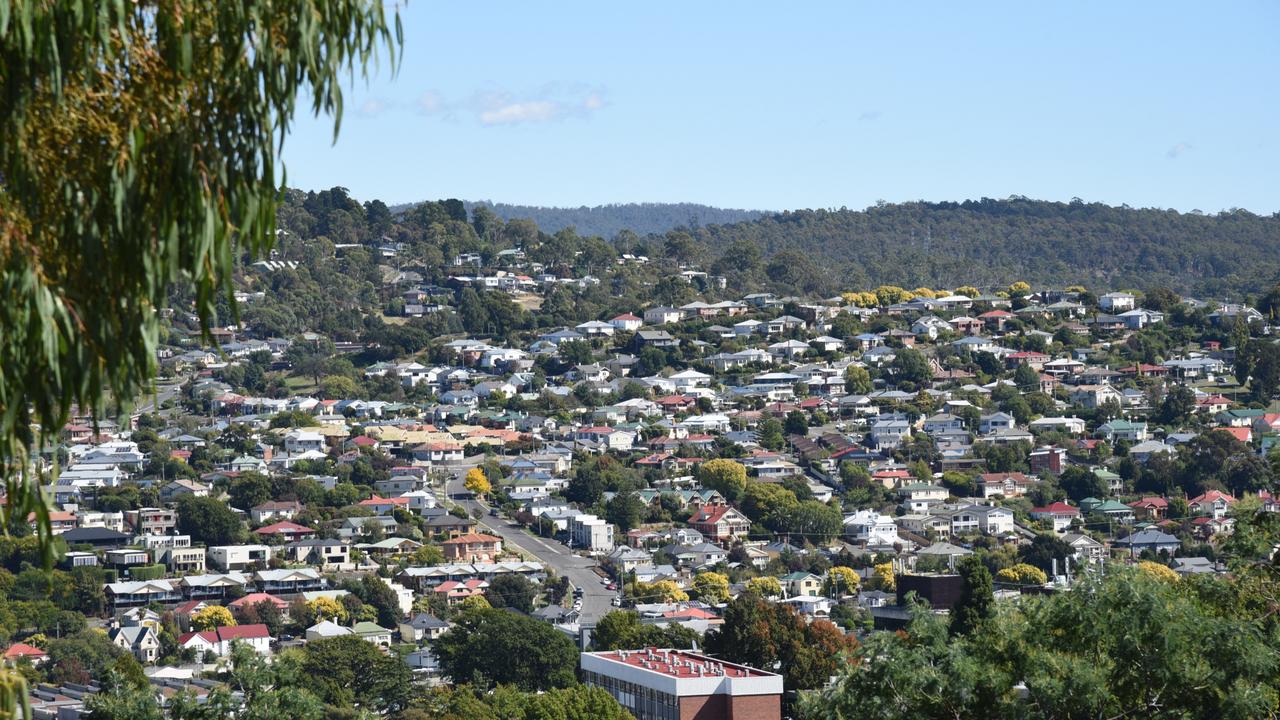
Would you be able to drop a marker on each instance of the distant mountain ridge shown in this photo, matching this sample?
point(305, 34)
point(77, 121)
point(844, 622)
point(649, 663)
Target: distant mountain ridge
point(608, 220)
point(985, 242)
point(993, 242)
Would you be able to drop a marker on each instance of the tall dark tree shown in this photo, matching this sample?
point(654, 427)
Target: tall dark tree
point(348, 670)
point(208, 520)
point(499, 647)
point(911, 366)
point(1080, 483)
point(513, 591)
point(977, 601)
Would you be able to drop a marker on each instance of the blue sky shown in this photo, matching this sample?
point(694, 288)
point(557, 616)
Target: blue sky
point(811, 104)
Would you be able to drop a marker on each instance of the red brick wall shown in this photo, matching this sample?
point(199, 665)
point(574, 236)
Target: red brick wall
point(756, 707)
point(723, 707)
point(704, 707)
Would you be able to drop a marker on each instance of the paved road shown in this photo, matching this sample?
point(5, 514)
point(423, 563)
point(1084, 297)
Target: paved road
point(164, 391)
point(596, 598)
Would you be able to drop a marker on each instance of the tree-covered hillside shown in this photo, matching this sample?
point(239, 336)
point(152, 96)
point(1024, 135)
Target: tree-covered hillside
point(609, 220)
point(988, 242)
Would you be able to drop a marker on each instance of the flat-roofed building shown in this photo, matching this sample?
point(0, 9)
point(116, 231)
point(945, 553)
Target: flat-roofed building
point(656, 684)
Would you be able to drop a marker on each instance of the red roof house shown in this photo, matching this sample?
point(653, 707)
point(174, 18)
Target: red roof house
point(290, 530)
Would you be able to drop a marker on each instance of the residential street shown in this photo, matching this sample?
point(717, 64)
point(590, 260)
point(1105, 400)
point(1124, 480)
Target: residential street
point(580, 570)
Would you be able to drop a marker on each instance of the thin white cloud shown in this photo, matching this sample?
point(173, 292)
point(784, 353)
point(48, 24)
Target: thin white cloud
point(522, 112)
point(1178, 150)
point(550, 103)
point(373, 107)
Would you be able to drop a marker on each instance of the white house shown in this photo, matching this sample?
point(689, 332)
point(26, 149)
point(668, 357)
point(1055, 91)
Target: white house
point(627, 322)
point(1116, 302)
point(661, 315)
point(236, 558)
point(221, 640)
point(871, 528)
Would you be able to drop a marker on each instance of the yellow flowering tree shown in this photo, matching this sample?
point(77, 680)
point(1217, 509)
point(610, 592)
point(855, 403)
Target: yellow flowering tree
point(477, 482)
point(765, 586)
point(711, 587)
point(890, 294)
point(659, 591)
point(1022, 574)
point(841, 580)
point(213, 616)
point(327, 608)
point(885, 580)
point(1158, 571)
point(475, 602)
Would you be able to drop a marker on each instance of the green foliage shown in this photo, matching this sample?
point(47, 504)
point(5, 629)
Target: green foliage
point(728, 477)
point(1259, 362)
point(976, 602)
point(188, 104)
point(770, 434)
point(598, 474)
point(1127, 645)
point(765, 635)
point(911, 366)
point(82, 656)
point(264, 691)
point(622, 630)
point(990, 241)
point(122, 699)
point(513, 591)
point(1080, 483)
point(502, 647)
point(249, 490)
point(348, 670)
point(609, 220)
point(857, 380)
point(625, 510)
point(147, 572)
point(797, 423)
point(208, 520)
point(463, 702)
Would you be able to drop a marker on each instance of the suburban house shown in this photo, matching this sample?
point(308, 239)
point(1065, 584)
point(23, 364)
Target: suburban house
point(720, 523)
point(141, 641)
point(1213, 503)
point(1059, 514)
point(472, 547)
point(1013, 484)
point(219, 641)
point(799, 584)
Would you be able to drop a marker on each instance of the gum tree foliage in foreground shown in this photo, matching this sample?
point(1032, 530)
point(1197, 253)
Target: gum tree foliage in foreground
point(138, 150)
point(1132, 644)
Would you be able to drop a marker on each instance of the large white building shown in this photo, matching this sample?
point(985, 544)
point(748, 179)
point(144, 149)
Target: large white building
point(237, 558)
point(591, 533)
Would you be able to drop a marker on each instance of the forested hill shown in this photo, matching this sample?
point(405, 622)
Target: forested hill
point(608, 220)
point(991, 242)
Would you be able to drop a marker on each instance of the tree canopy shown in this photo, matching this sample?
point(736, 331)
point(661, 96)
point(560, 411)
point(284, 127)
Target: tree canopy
point(1127, 645)
point(502, 647)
